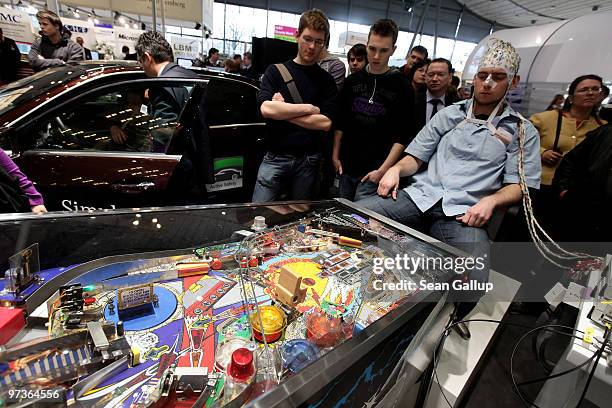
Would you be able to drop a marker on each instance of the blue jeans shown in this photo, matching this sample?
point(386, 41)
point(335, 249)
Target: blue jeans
point(298, 174)
point(353, 189)
point(435, 223)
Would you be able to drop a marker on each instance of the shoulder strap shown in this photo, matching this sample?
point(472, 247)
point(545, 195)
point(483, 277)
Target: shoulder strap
point(558, 131)
point(295, 94)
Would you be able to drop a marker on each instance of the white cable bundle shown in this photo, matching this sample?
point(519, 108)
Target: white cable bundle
point(532, 224)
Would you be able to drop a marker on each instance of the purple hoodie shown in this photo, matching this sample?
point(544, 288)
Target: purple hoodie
point(26, 185)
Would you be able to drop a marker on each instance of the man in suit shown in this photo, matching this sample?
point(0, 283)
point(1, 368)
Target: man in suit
point(79, 40)
point(437, 95)
point(247, 66)
point(10, 56)
point(194, 170)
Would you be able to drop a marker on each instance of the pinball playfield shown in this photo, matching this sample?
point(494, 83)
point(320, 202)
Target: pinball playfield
point(217, 325)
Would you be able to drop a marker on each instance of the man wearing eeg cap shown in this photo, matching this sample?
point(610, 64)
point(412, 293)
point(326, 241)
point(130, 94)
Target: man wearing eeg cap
point(472, 151)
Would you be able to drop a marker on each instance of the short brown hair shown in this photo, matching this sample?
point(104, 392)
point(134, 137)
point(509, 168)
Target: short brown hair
point(316, 20)
point(232, 65)
point(51, 16)
point(385, 27)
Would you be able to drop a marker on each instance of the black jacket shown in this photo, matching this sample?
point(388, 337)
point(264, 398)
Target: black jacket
point(586, 170)
point(420, 107)
point(249, 72)
point(10, 56)
point(87, 54)
point(196, 166)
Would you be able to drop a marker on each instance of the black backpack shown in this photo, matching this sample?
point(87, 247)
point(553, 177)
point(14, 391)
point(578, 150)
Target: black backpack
point(12, 198)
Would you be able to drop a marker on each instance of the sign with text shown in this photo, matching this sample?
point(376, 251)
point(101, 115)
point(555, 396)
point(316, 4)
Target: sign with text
point(16, 25)
point(184, 47)
point(187, 10)
point(285, 33)
point(80, 28)
point(125, 36)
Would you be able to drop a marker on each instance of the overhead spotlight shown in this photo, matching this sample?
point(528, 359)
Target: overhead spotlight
point(121, 20)
point(534, 21)
point(410, 10)
point(126, 25)
point(96, 21)
point(197, 26)
point(135, 26)
point(595, 8)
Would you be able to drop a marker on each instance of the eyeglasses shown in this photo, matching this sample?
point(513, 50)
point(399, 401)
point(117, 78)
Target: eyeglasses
point(497, 77)
point(310, 40)
point(594, 89)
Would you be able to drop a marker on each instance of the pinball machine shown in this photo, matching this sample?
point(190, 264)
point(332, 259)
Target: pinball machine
point(207, 306)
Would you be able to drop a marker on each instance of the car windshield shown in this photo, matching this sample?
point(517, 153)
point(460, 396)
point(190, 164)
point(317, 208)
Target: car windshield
point(26, 89)
point(35, 86)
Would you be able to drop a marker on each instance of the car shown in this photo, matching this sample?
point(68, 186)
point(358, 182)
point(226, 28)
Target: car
point(87, 135)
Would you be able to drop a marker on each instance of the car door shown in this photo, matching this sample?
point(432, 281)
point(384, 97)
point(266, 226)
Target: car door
point(106, 148)
point(236, 135)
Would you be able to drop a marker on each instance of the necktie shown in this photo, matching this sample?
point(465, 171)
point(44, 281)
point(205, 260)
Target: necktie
point(434, 109)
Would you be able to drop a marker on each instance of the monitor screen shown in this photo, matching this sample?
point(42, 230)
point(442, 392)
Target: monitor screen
point(95, 55)
point(24, 48)
point(184, 62)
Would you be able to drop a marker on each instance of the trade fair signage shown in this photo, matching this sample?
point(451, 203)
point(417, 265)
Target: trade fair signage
point(186, 10)
point(125, 36)
point(184, 47)
point(285, 33)
point(16, 25)
point(80, 28)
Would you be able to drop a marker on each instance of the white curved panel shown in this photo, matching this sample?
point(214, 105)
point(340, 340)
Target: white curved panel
point(552, 55)
point(527, 41)
point(582, 46)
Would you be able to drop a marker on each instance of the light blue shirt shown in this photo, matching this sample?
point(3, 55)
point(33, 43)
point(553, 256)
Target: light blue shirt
point(468, 162)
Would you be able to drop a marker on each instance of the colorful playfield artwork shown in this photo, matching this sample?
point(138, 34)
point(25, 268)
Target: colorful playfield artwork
point(324, 289)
